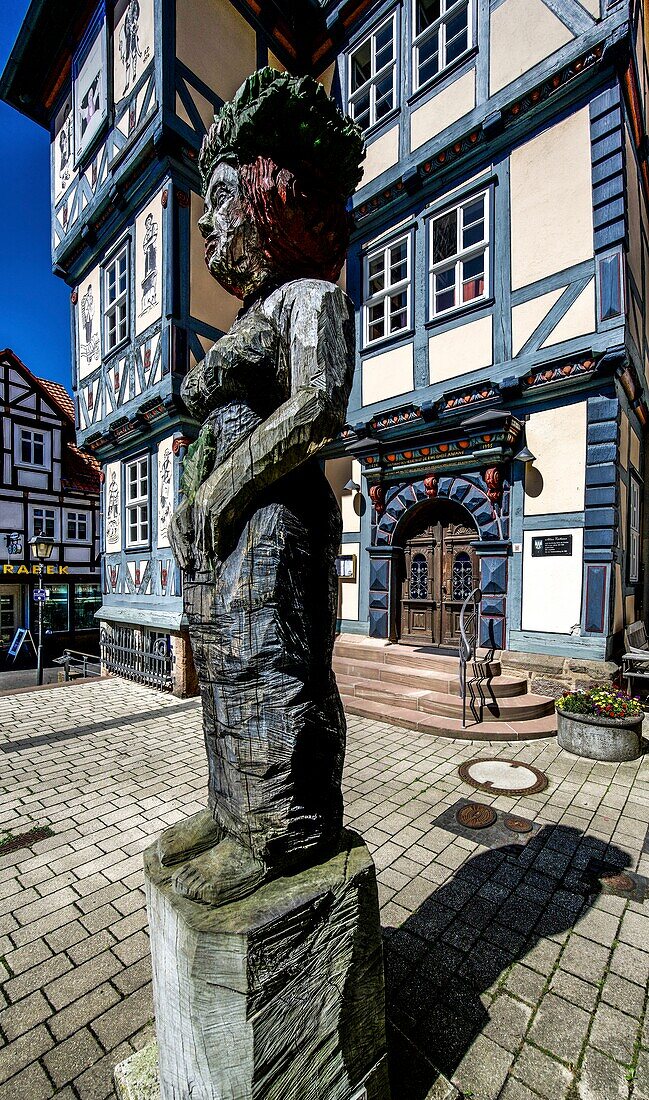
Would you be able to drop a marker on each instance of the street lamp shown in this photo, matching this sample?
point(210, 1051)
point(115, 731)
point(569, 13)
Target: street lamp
point(42, 547)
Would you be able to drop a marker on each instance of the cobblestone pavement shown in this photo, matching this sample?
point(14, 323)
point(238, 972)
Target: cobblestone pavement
point(501, 969)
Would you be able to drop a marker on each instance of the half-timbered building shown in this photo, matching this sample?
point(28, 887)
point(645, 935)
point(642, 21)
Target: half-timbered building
point(499, 265)
point(47, 486)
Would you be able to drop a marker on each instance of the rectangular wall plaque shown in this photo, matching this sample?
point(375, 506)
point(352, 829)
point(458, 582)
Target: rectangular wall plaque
point(546, 546)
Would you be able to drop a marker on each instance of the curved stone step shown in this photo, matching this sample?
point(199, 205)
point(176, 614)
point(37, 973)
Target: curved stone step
point(381, 652)
point(519, 709)
point(443, 726)
point(424, 677)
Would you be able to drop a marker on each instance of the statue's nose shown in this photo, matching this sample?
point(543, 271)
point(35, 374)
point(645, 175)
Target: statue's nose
point(205, 225)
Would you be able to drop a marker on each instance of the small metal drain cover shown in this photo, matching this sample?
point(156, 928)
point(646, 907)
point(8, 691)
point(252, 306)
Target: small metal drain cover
point(517, 824)
point(618, 881)
point(476, 816)
point(503, 776)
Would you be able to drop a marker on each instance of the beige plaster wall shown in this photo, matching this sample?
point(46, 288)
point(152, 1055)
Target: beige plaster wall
point(559, 575)
point(388, 374)
point(338, 472)
point(579, 319)
point(443, 109)
point(551, 200)
point(556, 481)
point(618, 609)
point(216, 43)
point(208, 301)
point(460, 350)
point(348, 591)
point(634, 451)
point(381, 155)
point(634, 252)
point(522, 33)
point(527, 317)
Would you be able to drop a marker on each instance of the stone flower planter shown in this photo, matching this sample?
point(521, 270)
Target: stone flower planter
point(599, 738)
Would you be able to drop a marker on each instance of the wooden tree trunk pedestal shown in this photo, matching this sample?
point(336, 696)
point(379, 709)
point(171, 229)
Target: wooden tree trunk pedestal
point(278, 996)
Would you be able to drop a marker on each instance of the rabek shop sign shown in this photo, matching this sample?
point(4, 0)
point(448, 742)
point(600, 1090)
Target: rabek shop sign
point(546, 546)
point(34, 569)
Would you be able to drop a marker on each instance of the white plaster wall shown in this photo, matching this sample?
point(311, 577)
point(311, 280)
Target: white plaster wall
point(388, 374)
point(522, 33)
point(527, 317)
point(578, 319)
point(349, 590)
point(148, 292)
point(216, 43)
point(381, 155)
point(551, 200)
point(556, 481)
point(208, 301)
point(442, 110)
point(552, 585)
point(460, 350)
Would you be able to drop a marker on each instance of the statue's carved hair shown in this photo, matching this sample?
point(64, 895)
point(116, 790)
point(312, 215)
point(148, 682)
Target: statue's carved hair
point(298, 159)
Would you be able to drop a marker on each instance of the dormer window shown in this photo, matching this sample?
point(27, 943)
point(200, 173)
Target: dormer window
point(372, 76)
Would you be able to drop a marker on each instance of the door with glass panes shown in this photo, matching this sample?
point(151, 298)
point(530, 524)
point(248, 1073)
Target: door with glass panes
point(440, 569)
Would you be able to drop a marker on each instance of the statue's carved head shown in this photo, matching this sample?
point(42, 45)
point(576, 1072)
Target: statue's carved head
point(277, 166)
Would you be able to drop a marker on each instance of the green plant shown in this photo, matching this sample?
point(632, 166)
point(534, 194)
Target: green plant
point(600, 701)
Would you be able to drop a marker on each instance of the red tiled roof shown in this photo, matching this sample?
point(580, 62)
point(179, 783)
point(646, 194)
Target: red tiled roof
point(80, 470)
point(60, 396)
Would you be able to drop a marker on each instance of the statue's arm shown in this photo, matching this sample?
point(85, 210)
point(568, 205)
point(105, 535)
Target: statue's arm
point(200, 384)
point(321, 342)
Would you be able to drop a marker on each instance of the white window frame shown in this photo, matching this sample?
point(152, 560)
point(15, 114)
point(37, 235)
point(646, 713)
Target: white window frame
point(460, 257)
point(122, 298)
point(449, 9)
point(74, 518)
point(40, 526)
point(138, 506)
point(375, 75)
point(635, 527)
point(33, 433)
point(389, 290)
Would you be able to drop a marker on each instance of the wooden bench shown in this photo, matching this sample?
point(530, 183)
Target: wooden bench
point(635, 662)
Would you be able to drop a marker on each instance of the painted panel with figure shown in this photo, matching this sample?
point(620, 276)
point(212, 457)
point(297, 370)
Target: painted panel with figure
point(148, 265)
point(89, 73)
point(63, 148)
point(132, 44)
point(88, 323)
point(165, 488)
point(113, 506)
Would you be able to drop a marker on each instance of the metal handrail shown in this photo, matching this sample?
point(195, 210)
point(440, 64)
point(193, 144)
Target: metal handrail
point(468, 639)
point(74, 658)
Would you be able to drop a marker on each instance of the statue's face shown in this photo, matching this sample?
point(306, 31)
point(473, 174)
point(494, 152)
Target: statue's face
point(232, 249)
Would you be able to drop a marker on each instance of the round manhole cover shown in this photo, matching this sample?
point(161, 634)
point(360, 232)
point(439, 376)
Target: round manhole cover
point(503, 776)
point(618, 881)
point(475, 816)
point(518, 825)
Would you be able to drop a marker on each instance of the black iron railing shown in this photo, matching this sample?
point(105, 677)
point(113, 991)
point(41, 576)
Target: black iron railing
point(138, 655)
point(469, 621)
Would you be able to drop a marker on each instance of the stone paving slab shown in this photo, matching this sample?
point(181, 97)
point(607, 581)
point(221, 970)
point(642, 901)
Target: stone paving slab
point(501, 969)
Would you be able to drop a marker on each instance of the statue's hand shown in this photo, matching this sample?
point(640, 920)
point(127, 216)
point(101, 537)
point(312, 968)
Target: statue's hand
point(181, 535)
point(212, 523)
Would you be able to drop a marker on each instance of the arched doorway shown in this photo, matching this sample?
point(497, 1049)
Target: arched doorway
point(440, 568)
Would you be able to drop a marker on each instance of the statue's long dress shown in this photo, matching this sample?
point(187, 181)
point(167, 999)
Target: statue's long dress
point(262, 622)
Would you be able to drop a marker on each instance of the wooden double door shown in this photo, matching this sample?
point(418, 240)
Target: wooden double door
point(440, 569)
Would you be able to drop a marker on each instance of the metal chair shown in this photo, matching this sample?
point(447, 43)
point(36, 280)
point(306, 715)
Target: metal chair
point(635, 662)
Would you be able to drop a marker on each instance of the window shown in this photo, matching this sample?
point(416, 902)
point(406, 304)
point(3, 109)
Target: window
point(77, 526)
point(8, 617)
point(372, 76)
point(635, 509)
point(462, 577)
point(116, 304)
point(44, 522)
point(87, 600)
point(55, 608)
point(459, 250)
point(387, 291)
point(32, 447)
point(419, 578)
point(137, 501)
point(441, 34)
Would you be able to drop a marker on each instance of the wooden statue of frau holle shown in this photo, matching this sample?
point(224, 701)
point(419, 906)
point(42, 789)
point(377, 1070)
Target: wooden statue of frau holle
point(258, 529)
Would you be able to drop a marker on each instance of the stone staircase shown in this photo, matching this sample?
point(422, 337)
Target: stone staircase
point(419, 689)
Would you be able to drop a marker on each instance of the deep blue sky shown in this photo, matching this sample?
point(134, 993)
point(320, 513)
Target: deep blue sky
point(34, 304)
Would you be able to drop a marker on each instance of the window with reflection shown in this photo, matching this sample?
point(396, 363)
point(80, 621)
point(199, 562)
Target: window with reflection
point(442, 33)
point(386, 291)
point(459, 251)
point(418, 577)
point(372, 76)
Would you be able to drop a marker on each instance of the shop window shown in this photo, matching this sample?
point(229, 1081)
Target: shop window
point(442, 33)
point(8, 617)
point(137, 501)
point(459, 256)
point(116, 300)
point(56, 617)
point(635, 529)
point(372, 76)
point(32, 447)
point(387, 291)
point(77, 526)
point(87, 600)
